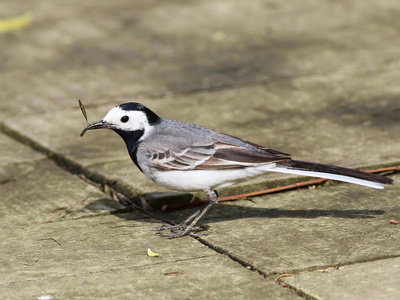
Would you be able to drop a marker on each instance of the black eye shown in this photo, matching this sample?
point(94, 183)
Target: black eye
point(124, 119)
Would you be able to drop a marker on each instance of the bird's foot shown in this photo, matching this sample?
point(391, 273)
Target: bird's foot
point(188, 227)
point(179, 230)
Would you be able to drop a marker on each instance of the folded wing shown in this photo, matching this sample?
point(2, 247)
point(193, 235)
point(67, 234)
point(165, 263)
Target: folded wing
point(215, 155)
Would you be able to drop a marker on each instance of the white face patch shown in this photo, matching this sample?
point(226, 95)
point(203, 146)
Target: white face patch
point(128, 120)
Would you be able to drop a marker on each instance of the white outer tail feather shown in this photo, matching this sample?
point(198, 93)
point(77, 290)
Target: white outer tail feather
point(328, 176)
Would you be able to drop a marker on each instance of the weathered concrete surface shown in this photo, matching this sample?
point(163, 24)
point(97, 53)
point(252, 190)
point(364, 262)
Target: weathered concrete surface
point(13, 152)
point(370, 280)
point(104, 257)
point(107, 258)
point(317, 79)
point(33, 188)
point(100, 51)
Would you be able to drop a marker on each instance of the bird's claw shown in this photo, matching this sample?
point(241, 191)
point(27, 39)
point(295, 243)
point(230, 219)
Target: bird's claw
point(178, 230)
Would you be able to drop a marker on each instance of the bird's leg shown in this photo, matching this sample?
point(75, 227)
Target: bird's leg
point(185, 229)
point(177, 226)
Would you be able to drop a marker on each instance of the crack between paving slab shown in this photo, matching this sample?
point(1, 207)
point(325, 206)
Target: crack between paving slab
point(235, 258)
point(7, 181)
point(275, 275)
point(252, 268)
point(297, 291)
point(66, 163)
point(279, 279)
point(122, 191)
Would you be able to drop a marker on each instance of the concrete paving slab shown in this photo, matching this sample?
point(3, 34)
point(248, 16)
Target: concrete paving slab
point(99, 50)
point(13, 152)
point(369, 280)
point(34, 189)
point(315, 79)
point(107, 258)
point(37, 191)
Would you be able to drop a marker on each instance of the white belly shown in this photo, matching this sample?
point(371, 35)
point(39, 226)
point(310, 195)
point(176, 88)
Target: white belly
point(197, 180)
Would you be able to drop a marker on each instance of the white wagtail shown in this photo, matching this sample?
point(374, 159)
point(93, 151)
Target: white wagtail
point(187, 157)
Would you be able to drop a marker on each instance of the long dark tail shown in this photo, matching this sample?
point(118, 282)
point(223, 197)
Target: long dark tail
point(332, 172)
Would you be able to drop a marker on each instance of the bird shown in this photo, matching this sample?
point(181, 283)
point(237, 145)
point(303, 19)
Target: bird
point(187, 157)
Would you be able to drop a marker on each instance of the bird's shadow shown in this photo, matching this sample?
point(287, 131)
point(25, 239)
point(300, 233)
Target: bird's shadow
point(221, 212)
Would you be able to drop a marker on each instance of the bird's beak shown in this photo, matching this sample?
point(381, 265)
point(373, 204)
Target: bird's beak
point(97, 125)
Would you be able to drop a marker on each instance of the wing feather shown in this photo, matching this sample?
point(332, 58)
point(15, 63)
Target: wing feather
point(216, 155)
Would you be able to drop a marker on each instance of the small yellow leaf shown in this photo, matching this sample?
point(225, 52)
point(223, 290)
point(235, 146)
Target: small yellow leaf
point(15, 23)
point(151, 253)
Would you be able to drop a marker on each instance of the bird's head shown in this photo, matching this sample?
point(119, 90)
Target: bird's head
point(129, 120)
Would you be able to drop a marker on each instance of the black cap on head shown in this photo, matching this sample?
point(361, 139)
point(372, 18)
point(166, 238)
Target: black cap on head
point(151, 116)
